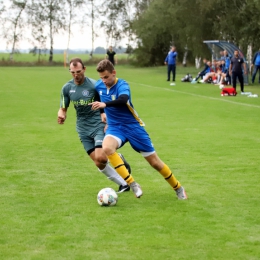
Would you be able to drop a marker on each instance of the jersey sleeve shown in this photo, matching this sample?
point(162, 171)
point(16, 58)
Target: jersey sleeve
point(123, 89)
point(64, 97)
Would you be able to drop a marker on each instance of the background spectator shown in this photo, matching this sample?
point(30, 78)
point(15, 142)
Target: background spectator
point(256, 65)
point(170, 60)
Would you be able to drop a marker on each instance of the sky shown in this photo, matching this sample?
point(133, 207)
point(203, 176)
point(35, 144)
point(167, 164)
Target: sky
point(80, 39)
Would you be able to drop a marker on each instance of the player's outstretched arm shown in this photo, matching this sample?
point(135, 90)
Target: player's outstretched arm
point(62, 115)
point(97, 105)
point(121, 101)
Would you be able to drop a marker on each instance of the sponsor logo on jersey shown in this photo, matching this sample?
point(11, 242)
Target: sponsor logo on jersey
point(113, 97)
point(82, 102)
point(100, 92)
point(85, 93)
point(72, 91)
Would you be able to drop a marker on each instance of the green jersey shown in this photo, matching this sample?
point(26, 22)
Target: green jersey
point(88, 121)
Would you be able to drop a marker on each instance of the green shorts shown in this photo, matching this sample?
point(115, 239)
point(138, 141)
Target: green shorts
point(95, 140)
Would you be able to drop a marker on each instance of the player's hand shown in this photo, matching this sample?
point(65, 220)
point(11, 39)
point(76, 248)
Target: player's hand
point(103, 118)
point(97, 105)
point(61, 117)
point(105, 128)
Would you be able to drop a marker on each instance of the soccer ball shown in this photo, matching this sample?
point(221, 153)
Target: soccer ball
point(221, 86)
point(107, 197)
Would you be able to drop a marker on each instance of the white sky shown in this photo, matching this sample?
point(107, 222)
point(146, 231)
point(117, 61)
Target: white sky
point(80, 39)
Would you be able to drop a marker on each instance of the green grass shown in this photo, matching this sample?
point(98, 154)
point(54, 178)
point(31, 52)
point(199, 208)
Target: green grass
point(48, 184)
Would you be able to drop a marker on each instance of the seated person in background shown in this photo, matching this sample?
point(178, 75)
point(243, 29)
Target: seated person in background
point(212, 75)
point(222, 80)
point(203, 72)
point(215, 65)
point(217, 77)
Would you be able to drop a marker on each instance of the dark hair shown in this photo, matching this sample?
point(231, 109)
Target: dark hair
point(74, 62)
point(105, 65)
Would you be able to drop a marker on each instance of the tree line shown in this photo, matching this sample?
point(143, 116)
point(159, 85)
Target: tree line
point(150, 26)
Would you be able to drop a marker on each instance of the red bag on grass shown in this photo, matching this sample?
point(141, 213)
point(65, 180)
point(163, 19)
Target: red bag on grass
point(228, 92)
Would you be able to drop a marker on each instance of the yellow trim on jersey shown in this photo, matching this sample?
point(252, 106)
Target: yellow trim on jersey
point(112, 86)
point(63, 102)
point(115, 82)
point(135, 115)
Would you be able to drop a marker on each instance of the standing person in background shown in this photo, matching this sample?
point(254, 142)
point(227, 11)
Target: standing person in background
point(124, 125)
point(221, 53)
point(170, 60)
point(235, 69)
point(256, 65)
point(227, 59)
point(111, 55)
point(80, 91)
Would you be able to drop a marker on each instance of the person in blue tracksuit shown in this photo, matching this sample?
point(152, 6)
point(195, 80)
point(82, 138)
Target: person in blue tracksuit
point(170, 60)
point(256, 65)
point(227, 59)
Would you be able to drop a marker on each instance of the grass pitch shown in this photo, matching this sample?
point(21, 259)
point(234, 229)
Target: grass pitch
point(48, 184)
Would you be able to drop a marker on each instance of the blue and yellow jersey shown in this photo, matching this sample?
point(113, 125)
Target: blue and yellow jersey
point(118, 114)
point(80, 96)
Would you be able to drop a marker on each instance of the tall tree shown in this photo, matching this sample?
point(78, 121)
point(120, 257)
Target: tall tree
point(73, 7)
point(162, 22)
point(14, 22)
point(90, 19)
point(2, 10)
point(2, 7)
point(50, 14)
point(113, 13)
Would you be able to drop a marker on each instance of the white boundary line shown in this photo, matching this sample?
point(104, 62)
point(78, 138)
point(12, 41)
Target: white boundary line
point(196, 95)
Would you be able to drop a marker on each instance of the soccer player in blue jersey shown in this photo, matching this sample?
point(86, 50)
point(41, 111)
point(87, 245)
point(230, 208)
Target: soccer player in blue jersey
point(124, 125)
point(80, 91)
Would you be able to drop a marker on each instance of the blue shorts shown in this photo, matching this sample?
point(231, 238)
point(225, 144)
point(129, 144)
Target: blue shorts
point(135, 134)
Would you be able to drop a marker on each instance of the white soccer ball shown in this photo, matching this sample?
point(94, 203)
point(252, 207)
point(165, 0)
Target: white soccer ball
point(107, 197)
point(221, 86)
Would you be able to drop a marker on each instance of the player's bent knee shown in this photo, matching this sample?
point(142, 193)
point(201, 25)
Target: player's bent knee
point(101, 160)
point(108, 150)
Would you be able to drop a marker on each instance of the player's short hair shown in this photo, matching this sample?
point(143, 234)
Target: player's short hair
point(105, 65)
point(75, 61)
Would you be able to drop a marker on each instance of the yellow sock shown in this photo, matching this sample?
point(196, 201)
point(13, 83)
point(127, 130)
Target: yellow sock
point(120, 168)
point(168, 176)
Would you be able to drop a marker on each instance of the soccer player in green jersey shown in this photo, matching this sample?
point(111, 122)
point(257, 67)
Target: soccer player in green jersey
point(80, 91)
